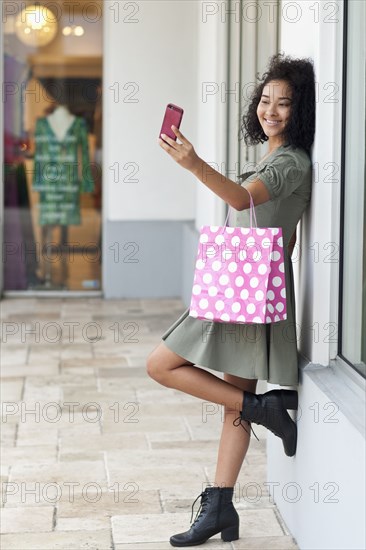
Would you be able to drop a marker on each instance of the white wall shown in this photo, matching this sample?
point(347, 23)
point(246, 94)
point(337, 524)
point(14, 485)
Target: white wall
point(151, 56)
point(320, 491)
point(211, 120)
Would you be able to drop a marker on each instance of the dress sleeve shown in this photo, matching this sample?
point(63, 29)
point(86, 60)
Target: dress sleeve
point(87, 184)
point(285, 173)
point(39, 150)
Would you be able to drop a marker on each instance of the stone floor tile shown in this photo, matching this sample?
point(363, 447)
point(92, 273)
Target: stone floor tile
point(252, 495)
point(116, 372)
point(43, 353)
point(31, 494)
point(4, 471)
point(259, 522)
point(40, 393)
point(50, 493)
point(74, 351)
point(13, 355)
point(175, 409)
point(133, 421)
point(40, 454)
point(136, 360)
point(82, 397)
point(53, 416)
point(83, 371)
point(82, 523)
point(147, 528)
point(85, 330)
point(101, 349)
point(265, 543)
point(24, 520)
point(10, 412)
point(182, 505)
point(127, 372)
point(76, 471)
point(186, 493)
point(103, 442)
point(212, 544)
point(63, 380)
point(151, 392)
point(120, 499)
point(99, 362)
point(170, 440)
point(8, 434)
point(80, 455)
point(201, 430)
point(159, 478)
point(11, 390)
point(158, 458)
point(146, 531)
point(59, 540)
point(118, 384)
point(43, 359)
point(15, 371)
point(27, 437)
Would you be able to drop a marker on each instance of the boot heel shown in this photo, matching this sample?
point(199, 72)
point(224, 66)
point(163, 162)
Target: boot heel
point(290, 399)
point(230, 533)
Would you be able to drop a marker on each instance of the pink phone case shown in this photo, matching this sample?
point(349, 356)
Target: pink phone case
point(173, 115)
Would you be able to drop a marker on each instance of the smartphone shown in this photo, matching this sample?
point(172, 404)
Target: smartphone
point(173, 115)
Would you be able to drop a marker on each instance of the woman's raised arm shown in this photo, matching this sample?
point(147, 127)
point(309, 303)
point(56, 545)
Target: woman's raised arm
point(229, 191)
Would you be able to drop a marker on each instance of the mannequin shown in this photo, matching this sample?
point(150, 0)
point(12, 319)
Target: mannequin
point(60, 121)
point(60, 177)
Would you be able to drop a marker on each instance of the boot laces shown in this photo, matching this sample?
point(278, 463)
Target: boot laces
point(238, 422)
point(201, 509)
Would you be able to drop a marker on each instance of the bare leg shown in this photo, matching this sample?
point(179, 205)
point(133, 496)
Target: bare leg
point(173, 371)
point(234, 442)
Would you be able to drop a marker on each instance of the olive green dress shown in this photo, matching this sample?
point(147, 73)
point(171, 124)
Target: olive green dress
point(256, 351)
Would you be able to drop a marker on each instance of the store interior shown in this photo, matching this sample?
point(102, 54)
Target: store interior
point(52, 146)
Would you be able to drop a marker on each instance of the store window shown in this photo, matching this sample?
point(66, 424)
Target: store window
point(52, 145)
point(352, 321)
point(248, 24)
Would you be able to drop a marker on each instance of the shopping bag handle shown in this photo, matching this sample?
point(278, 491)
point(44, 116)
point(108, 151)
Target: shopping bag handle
point(252, 211)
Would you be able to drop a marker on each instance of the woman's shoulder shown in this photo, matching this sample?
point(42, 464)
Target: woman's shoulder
point(288, 171)
point(299, 154)
point(286, 159)
point(291, 161)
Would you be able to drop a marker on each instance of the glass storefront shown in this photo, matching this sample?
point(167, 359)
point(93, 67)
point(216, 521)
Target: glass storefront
point(353, 267)
point(52, 108)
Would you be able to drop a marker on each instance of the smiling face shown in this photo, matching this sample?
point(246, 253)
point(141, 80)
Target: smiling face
point(274, 110)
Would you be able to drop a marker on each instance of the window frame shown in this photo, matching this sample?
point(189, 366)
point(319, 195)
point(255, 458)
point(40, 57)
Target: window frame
point(343, 362)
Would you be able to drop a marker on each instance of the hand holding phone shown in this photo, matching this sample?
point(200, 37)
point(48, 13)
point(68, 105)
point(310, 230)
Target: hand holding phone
point(173, 116)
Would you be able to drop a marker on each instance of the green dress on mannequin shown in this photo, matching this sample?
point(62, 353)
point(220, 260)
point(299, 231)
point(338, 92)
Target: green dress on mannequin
point(61, 173)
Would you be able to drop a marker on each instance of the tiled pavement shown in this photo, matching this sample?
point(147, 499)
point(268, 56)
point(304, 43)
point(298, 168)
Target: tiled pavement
point(95, 454)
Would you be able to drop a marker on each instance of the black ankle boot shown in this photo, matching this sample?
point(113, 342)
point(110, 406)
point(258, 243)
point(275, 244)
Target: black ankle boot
point(269, 410)
point(216, 513)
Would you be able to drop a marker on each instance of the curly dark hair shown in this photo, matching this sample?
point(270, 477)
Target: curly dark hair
point(300, 129)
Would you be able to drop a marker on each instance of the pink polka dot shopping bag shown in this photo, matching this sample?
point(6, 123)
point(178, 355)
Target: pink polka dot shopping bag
point(240, 274)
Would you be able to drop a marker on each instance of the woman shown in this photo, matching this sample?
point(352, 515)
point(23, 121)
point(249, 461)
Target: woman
point(282, 112)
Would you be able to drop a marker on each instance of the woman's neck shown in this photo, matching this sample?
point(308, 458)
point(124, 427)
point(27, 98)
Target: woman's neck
point(274, 143)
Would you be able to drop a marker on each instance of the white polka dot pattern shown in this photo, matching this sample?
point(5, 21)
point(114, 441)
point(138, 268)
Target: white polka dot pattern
point(239, 276)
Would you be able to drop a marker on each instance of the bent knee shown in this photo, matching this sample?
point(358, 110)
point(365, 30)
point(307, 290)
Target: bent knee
point(155, 368)
point(151, 366)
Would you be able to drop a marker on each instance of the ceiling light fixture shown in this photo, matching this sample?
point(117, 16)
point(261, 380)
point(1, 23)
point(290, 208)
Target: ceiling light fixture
point(36, 25)
point(74, 30)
